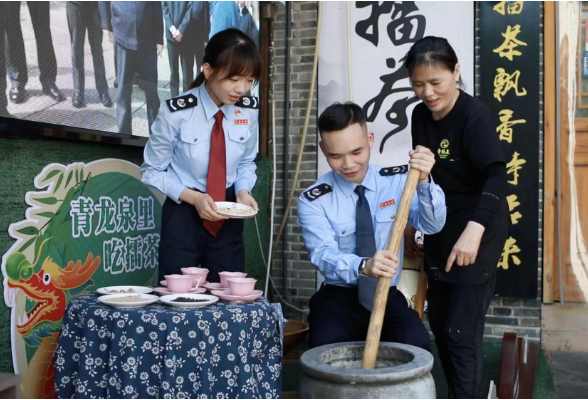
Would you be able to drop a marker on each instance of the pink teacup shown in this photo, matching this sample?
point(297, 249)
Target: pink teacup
point(194, 270)
point(179, 283)
point(227, 274)
point(199, 274)
point(241, 286)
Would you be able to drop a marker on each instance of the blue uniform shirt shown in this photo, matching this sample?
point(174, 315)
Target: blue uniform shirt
point(177, 154)
point(328, 221)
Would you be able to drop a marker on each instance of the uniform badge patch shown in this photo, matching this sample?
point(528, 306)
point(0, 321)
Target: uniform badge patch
point(238, 113)
point(317, 191)
point(387, 203)
point(182, 102)
point(241, 122)
point(248, 102)
point(400, 169)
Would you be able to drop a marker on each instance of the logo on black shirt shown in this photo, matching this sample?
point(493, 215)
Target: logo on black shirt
point(443, 150)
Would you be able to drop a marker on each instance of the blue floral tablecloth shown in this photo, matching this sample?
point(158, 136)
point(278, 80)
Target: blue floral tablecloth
point(225, 350)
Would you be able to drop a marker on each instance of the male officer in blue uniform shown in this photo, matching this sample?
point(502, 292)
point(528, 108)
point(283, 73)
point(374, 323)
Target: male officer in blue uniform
point(346, 219)
point(137, 27)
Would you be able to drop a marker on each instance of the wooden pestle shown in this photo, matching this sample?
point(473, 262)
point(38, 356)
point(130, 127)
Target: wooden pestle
point(372, 342)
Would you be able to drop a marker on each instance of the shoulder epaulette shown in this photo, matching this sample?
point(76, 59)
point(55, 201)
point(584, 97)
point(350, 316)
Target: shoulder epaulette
point(389, 171)
point(248, 102)
point(182, 102)
point(317, 191)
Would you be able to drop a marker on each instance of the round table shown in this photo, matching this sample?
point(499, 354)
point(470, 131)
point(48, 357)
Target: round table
point(225, 350)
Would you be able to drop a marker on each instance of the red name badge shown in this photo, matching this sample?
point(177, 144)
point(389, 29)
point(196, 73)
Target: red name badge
point(241, 122)
point(387, 203)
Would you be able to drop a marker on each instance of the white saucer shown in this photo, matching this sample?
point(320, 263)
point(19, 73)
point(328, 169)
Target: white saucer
point(226, 295)
point(235, 206)
point(137, 289)
point(110, 300)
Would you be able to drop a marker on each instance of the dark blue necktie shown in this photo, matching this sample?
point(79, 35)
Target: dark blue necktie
point(365, 241)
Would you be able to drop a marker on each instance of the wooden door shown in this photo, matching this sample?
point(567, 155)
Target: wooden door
point(572, 160)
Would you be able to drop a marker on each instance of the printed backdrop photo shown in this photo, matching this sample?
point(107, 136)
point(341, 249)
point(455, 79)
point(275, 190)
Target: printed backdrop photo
point(107, 66)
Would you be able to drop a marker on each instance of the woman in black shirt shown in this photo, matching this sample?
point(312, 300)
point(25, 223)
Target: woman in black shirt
point(461, 260)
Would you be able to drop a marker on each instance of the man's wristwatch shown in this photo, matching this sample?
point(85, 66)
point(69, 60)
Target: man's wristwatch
point(362, 266)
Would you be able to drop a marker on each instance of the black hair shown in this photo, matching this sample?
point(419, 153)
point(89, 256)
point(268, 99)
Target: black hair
point(433, 51)
point(231, 53)
point(339, 116)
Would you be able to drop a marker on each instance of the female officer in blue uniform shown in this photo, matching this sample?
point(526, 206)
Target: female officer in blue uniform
point(202, 150)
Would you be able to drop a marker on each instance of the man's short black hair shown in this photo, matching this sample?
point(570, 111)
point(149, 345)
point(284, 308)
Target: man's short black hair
point(339, 116)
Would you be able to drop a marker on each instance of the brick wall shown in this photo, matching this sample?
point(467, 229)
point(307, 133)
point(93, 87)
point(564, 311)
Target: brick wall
point(301, 278)
point(504, 315)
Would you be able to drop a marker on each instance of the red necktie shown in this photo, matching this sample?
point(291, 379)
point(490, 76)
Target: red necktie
point(216, 182)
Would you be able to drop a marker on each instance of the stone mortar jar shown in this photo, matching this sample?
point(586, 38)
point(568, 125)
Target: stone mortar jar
point(334, 372)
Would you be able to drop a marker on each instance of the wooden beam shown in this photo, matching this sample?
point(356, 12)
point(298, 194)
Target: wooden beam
point(549, 151)
point(265, 32)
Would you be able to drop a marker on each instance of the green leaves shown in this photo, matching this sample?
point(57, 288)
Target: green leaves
point(46, 214)
point(79, 176)
point(27, 244)
point(29, 230)
point(69, 177)
point(58, 184)
point(47, 200)
point(51, 175)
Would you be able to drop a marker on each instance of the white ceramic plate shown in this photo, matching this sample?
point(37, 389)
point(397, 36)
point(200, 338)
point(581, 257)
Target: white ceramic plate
point(137, 289)
point(208, 300)
point(110, 300)
point(235, 210)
